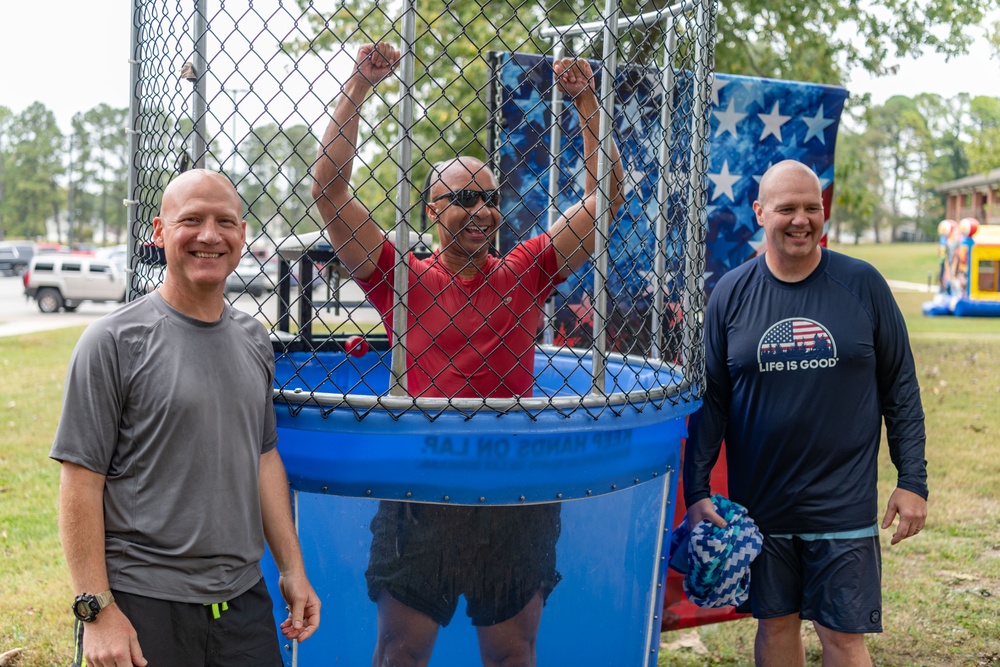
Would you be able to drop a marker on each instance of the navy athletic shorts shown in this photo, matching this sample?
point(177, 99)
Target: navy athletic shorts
point(183, 633)
point(426, 556)
point(834, 579)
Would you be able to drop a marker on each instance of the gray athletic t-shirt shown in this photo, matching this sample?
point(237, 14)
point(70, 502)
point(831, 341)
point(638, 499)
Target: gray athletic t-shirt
point(176, 413)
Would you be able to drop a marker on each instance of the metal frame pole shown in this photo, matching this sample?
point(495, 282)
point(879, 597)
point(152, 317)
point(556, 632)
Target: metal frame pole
point(401, 274)
point(644, 20)
point(694, 280)
point(199, 105)
point(663, 191)
point(132, 130)
point(609, 66)
point(555, 138)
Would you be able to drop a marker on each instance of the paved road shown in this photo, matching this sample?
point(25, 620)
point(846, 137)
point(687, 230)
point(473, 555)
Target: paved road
point(903, 286)
point(19, 316)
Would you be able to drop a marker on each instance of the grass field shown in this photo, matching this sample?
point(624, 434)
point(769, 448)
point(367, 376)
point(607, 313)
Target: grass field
point(941, 588)
point(912, 262)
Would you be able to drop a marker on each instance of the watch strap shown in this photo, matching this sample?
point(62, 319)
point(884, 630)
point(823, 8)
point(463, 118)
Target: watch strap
point(104, 599)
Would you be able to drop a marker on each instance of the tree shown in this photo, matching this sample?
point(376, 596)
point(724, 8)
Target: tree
point(903, 142)
point(33, 194)
point(6, 118)
point(102, 165)
point(818, 42)
point(984, 146)
point(857, 199)
point(275, 188)
point(794, 39)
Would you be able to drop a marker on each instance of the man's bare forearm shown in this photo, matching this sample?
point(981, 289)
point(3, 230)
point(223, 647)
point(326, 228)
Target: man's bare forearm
point(588, 108)
point(276, 511)
point(81, 527)
point(338, 148)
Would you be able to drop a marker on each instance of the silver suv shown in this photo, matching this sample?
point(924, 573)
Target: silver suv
point(62, 282)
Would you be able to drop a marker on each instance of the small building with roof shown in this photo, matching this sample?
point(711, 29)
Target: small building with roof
point(976, 197)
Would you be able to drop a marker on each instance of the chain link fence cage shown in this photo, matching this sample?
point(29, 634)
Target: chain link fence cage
point(247, 90)
point(407, 392)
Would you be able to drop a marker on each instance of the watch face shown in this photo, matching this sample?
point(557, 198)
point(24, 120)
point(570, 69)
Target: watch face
point(83, 608)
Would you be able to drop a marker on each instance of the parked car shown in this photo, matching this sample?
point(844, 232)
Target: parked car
point(63, 282)
point(15, 256)
point(250, 277)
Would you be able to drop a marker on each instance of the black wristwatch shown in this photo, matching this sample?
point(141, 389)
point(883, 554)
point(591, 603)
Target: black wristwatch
point(86, 606)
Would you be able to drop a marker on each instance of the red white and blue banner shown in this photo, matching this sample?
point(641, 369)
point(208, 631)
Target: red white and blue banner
point(754, 124)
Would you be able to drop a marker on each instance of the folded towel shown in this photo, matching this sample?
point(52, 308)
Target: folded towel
point(716, 561)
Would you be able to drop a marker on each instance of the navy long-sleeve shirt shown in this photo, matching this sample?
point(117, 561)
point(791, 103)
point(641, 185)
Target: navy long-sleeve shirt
point(799, 378)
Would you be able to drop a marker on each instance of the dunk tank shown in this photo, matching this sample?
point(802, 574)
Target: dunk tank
point(594, 447)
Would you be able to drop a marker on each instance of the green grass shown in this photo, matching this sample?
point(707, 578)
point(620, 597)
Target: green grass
point(911, 262)
point(939, 588)
point(34, 583)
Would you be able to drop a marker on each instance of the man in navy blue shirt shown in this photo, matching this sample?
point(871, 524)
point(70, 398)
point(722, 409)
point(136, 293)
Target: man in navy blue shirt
point(806, 354)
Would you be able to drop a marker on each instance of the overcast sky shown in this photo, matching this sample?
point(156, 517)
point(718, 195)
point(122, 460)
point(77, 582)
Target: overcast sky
point(80, 59)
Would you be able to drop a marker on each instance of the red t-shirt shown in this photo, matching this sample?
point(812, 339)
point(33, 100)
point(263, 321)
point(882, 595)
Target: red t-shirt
point(470, 338)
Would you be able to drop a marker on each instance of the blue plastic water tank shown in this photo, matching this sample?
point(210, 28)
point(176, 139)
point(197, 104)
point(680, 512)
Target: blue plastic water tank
point(610, 464)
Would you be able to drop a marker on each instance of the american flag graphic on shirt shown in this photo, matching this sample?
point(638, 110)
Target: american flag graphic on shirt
point(796, 338)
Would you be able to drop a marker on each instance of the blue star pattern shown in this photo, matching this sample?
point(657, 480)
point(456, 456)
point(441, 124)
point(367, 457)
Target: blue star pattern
point(784, 120)
point(754, 123)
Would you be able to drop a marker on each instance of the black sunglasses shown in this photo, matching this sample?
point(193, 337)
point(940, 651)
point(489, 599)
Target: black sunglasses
point(468, 198)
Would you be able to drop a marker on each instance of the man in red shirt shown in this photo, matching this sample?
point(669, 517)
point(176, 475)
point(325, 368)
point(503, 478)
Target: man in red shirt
point(471, 327)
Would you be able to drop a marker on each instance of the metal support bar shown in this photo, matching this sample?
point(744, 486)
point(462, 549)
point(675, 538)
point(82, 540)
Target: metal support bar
point(694, 280)
point(658, 575)
point(639, 20)
point(306, 308)
point(134, 132)
point(199, 106)
point(555, 139)
point(401, 274)
point(609, 65)
point(663, 191)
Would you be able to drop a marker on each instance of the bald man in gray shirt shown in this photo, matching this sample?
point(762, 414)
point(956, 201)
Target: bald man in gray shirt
point(170, 479)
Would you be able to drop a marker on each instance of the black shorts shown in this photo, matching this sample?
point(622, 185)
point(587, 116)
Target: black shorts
point(183, 633)
point(426, 556)
point(836, 582)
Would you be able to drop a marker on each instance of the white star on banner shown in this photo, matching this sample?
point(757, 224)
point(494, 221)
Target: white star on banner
point(728, 120)
point(724, 182)
point(773, 122)
point(816, 126)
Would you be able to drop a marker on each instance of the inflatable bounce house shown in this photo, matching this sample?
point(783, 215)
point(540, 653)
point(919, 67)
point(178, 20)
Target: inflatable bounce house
point(968, 278)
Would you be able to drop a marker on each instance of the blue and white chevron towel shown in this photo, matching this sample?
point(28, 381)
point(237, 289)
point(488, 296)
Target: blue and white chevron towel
point(717, 566)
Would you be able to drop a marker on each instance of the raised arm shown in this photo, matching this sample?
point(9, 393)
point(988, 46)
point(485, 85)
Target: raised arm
point(573, 234)
point(354, 234)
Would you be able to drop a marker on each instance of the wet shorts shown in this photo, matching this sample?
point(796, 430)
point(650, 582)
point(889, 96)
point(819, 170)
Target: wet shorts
point(183, 633)
point(833, 579)
point(426, 556)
